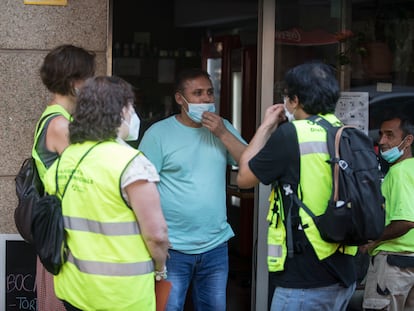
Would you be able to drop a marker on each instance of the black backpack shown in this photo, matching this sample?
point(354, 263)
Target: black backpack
point(29, 189)
point(355, 212)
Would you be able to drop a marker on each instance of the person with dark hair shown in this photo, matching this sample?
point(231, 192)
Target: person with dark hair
point(63, 72)
point(116, 232)
point(390, 278)
point(191, 151)
point(309, 273)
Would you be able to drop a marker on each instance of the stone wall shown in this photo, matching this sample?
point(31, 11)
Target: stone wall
point(27, 34)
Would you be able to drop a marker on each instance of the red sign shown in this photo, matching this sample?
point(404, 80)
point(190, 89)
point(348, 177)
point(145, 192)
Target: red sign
point(297, 36)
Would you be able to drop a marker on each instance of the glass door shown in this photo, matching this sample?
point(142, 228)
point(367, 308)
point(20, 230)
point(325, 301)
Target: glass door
point(370, 44)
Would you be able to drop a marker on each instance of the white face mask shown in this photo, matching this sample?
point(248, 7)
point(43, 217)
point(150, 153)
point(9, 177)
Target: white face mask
point(134, 124)
point(289, 116)
point(195, 110)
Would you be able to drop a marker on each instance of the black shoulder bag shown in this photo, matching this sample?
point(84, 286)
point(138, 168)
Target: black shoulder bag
point(29, 189)
point(48, 227)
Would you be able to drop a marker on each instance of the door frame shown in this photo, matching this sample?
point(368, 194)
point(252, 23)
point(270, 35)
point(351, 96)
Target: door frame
point(264, 99)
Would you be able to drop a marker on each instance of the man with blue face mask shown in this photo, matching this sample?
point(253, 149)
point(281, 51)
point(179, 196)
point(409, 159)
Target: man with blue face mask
point(390, 278)
point(191, 151)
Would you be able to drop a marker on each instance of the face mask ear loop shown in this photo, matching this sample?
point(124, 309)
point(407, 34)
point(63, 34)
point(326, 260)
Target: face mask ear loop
point(123, 119)
point(403, 140)
point(185, 99)
point(412, 138)
point(188, 104)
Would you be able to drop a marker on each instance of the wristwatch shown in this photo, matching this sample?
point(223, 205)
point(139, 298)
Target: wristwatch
point(161, 275)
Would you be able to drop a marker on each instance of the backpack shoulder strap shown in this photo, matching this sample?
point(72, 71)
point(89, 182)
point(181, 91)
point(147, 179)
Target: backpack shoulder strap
point(41, 122)
point(338, 163)
point(288, 191)
point(321, 121)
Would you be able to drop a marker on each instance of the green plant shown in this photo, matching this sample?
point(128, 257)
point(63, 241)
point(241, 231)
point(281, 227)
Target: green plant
point(350, 44)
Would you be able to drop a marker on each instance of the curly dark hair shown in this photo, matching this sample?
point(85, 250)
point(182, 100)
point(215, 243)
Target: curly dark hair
point(98, 113)
point(64, 65)
point(315, 85)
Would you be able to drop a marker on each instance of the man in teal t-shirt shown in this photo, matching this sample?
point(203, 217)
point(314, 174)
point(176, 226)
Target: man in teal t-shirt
point(191, 151)
point(390, 278)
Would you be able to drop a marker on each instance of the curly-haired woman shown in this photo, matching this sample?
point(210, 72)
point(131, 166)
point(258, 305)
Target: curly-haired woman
point(116, 232)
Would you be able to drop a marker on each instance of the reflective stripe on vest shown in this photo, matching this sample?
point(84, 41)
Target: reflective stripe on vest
point(112, 268)
point(106, 228)
point(274, 250)
point(313, 147)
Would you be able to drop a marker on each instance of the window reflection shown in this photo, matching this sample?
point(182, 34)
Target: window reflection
point(214, 69)
point(236, 100)
point(369, 41)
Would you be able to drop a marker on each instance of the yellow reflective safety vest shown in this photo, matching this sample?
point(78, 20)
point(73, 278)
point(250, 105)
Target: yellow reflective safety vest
point(50, 110)
point(276, 235)
point(109, 266)
point(314, 192)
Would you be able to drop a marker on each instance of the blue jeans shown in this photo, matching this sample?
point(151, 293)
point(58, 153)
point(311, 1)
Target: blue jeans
point(208, 273)
point(329, 298)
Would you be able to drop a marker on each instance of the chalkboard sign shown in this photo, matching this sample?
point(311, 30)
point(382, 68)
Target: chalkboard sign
point(18, 272)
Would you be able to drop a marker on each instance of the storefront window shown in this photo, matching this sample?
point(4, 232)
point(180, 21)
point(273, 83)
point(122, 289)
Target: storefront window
point(371, 40)
point(368, 42)
point(385, 50)
point(304, 31)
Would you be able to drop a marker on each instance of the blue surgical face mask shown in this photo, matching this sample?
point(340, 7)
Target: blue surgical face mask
point(393, 154)
point(195, 110)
